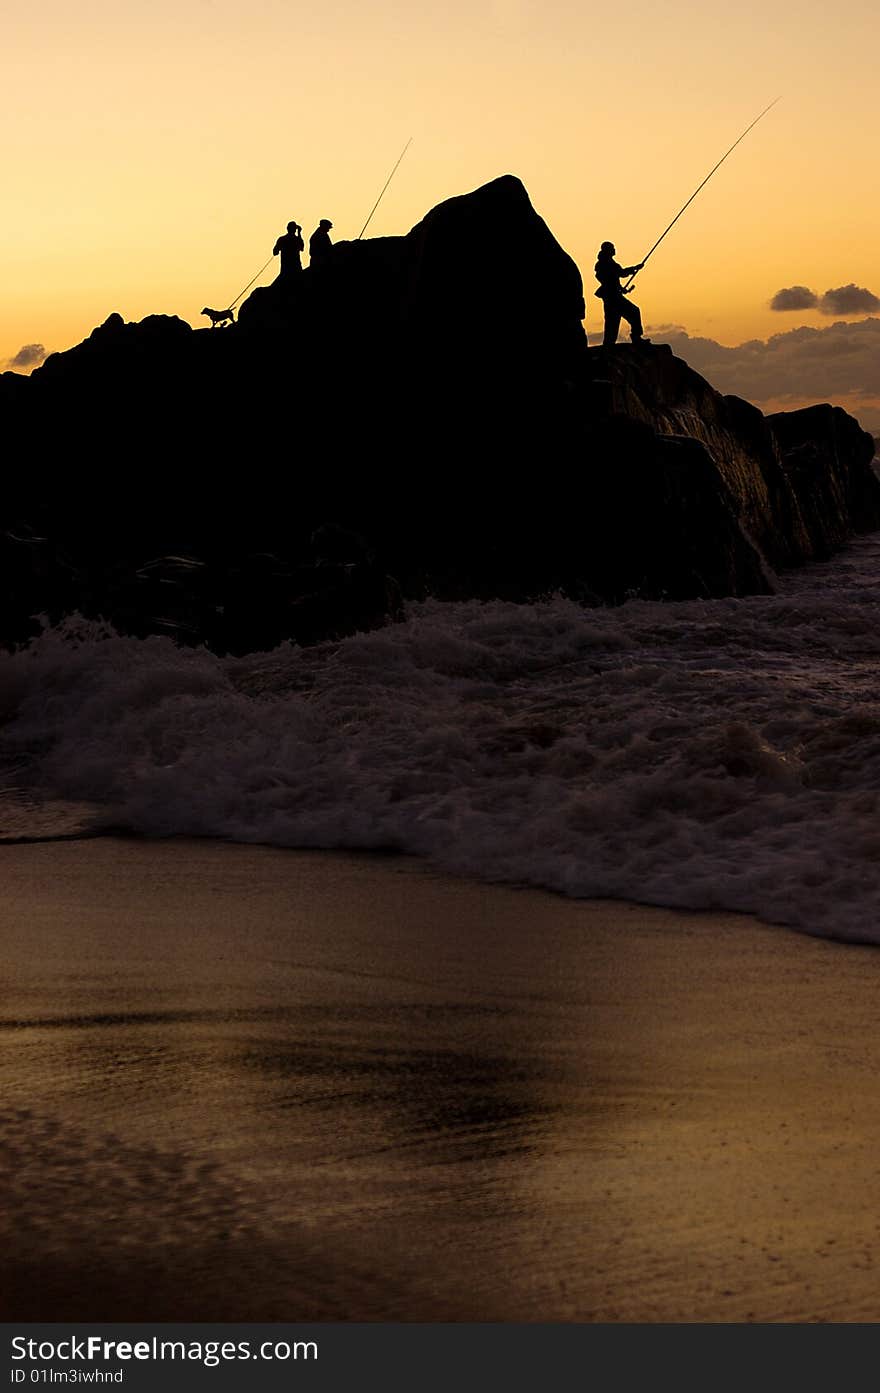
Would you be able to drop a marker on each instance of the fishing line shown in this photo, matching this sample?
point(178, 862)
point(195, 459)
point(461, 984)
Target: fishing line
point(631, 283)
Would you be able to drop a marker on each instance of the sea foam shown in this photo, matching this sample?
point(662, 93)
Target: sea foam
point(717, 754)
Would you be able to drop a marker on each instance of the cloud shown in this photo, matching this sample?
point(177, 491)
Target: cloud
point(849, 299)
point(838, 362)
point(30, 355)
point(842, 299)
point(795, 297)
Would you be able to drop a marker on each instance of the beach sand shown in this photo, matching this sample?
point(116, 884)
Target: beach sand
point(241, 1083)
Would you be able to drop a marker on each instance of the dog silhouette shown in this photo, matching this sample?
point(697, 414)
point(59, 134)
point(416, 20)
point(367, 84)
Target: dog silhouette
point(219, 316)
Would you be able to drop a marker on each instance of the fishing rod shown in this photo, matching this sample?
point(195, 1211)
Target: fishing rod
point(384, 187)
point(254, 278)
point(234, 302)
point(632, 278)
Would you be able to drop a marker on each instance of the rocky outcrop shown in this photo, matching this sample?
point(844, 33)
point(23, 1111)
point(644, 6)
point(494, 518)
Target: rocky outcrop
point(827, 457)
point(430, 403)
point(801, 482)
point(481, 280)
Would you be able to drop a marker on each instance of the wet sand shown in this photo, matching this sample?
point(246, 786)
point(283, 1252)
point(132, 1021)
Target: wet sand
point(240, 1083)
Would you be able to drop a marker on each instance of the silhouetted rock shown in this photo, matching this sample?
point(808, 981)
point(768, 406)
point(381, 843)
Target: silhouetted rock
point(479, 286)
point(827, 458)
point(800, 482)
point(116, 350)
point(662, 522)
point(418, 415)
point(13, 389)
point(486, 278)
point(35, 579)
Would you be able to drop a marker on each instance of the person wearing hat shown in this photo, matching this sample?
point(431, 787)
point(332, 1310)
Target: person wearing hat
point(609, 275)
point(320, 245)
point(290, 247)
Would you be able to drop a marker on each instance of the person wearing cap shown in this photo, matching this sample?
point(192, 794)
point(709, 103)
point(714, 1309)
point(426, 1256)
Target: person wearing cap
point(290, 247)
point(320, 245)
point(609, 275)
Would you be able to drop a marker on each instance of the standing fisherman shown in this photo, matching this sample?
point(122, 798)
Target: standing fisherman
point(610, 292)
point(289, 247)
point(609, 274)
point(320, 245)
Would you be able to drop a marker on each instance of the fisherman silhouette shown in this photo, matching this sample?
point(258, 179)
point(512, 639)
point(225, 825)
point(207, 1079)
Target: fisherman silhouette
point(289, 247)
point(320, 245)
point(610, 292)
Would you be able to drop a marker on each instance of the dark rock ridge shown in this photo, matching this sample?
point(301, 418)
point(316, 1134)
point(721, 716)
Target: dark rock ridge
point(420, 415)
point(817, 447)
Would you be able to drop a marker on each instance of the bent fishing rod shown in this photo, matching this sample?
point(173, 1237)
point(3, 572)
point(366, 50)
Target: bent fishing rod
point(384, 187)
point(715, 167)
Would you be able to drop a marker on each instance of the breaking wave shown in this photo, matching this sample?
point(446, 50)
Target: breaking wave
point(717, 754)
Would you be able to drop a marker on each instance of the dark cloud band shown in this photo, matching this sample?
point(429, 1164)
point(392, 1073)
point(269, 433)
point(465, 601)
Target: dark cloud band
point(837, 362)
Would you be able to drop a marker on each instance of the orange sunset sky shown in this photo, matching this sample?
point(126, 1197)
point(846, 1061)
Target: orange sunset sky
point(154, 151)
